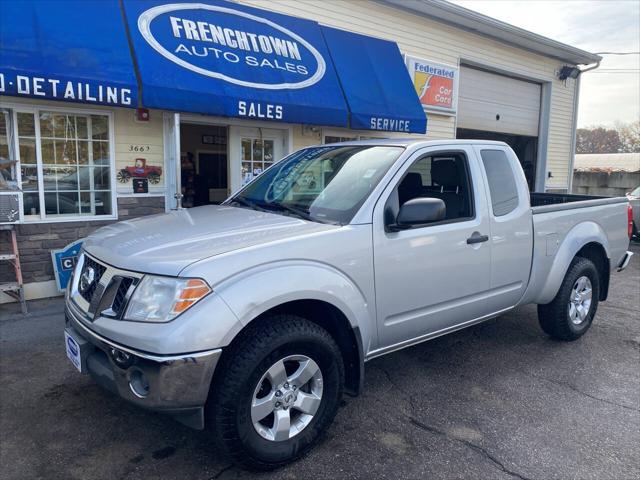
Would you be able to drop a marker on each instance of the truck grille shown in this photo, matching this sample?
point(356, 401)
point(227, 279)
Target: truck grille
point(120, 299)
point(105, 289)
point(88, 282)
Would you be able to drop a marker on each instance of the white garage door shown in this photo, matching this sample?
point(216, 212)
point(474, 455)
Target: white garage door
point(495, 103)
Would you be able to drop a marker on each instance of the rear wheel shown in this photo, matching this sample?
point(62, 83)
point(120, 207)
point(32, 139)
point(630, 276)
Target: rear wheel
point(571, 312)
point(278, 389)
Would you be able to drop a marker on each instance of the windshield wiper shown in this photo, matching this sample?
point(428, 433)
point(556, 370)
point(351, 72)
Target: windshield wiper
point(246, 203)
point(274, 207)
point(299, 212)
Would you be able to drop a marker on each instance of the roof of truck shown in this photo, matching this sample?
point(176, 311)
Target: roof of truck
point(416, 142)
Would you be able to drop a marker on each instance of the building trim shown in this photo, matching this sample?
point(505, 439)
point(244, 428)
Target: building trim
point(543, 137)
point(475, 22)
point(35, 291)
point(574, 128)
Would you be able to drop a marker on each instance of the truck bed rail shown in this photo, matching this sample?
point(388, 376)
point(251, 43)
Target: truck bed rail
point(554, 202)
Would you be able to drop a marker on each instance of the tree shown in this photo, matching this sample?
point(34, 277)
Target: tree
point(598, 140)
point(629, 136)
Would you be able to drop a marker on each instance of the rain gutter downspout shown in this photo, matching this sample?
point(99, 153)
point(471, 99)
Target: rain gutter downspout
point(576, 97)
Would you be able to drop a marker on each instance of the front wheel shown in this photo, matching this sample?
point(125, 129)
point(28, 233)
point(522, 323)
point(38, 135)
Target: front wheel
point(278, 389)
point(571, 312)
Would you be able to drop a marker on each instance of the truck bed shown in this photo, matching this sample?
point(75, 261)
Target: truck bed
point(555, 202)
point(561, 220)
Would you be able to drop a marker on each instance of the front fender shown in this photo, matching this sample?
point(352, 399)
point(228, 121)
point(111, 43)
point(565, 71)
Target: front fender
point(262, 288)
point(574, 240)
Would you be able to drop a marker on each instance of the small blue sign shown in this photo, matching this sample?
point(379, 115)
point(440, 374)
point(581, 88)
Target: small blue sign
point(64, 261)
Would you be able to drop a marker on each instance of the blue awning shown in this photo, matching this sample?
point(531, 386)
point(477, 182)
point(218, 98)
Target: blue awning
point(376, 84)
point(70, 50)
point(213, 57)
point(221, 58)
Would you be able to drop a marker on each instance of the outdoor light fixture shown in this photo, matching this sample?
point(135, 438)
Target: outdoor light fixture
point(568, 72)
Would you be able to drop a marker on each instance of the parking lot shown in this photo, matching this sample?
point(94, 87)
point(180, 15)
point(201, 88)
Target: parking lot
point(496, 401)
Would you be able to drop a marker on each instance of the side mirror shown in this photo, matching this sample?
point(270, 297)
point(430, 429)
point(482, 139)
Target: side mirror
point(419, 211)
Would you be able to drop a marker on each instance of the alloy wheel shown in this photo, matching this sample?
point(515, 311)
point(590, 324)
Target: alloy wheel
point(580, 300)
point(286, 398)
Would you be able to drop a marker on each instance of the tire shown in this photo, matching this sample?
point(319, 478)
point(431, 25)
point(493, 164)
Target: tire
point(556, 317)
point(240, 382)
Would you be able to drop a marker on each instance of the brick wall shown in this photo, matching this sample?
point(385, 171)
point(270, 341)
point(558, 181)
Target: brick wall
point(36, 240)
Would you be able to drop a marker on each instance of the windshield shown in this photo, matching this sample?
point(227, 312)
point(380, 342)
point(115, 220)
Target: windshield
point(322, 184)
point(636, 192)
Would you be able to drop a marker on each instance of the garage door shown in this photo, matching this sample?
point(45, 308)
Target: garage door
point(495, 103)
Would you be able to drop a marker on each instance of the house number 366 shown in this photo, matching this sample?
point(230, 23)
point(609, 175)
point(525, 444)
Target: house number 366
point(139, 148)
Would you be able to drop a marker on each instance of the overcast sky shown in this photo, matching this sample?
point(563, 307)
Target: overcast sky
point(592, 25)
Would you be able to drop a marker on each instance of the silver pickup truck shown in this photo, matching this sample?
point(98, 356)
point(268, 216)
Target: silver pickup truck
point(251, 318)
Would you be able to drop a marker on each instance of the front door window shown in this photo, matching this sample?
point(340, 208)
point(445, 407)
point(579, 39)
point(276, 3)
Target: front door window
point(257, 156)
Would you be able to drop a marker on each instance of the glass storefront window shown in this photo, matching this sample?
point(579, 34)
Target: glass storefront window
point(70, 175)
point(257, 156)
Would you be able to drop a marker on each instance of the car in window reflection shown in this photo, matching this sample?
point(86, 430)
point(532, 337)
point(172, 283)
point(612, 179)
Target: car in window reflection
point(65, 187)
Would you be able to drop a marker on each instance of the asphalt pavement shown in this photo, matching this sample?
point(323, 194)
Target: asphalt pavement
point(498, 400)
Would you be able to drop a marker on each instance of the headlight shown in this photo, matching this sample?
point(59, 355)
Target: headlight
point(161, 299)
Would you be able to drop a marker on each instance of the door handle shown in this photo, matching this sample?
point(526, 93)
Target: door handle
point(477, 238)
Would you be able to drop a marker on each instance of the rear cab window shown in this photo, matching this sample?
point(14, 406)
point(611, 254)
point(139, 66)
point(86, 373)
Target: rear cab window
point(502, 183)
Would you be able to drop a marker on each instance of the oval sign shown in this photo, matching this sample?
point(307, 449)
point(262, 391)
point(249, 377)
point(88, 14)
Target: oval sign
point(232, 46)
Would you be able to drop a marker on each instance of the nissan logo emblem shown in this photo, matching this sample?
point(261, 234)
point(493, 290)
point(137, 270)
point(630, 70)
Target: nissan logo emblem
point(87, 278)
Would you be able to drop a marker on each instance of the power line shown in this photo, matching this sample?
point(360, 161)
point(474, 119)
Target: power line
point(614, 73)
point(617, 53)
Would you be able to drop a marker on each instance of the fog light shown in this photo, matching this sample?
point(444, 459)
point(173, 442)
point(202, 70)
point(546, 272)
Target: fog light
point(139, 384)
point(121, 359)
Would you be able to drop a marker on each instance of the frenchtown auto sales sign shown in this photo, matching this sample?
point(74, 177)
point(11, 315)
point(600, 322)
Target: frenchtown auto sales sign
point(232, 45)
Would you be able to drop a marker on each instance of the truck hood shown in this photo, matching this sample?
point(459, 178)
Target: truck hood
point(165, 244)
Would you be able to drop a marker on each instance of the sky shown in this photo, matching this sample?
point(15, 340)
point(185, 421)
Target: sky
point(606, 96)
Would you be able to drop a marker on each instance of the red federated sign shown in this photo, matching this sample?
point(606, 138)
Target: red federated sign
point(436, 84)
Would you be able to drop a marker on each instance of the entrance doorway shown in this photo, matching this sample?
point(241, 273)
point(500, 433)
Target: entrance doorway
point(217, 160)
point(525, 147)
point(204, 164)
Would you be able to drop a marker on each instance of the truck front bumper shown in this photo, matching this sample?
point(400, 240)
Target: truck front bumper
point(177, 385)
